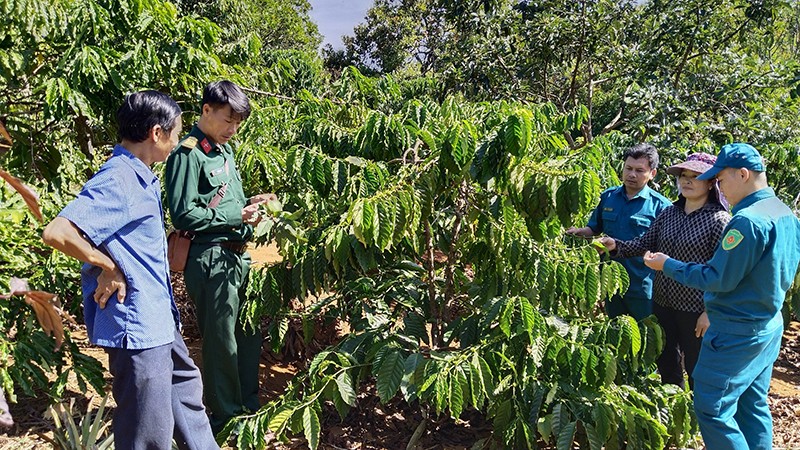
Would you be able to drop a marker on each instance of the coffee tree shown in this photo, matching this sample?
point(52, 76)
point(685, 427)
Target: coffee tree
point(435, 232)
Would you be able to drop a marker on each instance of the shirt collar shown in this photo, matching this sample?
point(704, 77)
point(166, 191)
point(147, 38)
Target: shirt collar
point(198, 133)
point(645, 193)
point(760, 194)
point(138, 166)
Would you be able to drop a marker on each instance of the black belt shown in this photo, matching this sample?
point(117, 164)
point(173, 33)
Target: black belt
point(236, 247)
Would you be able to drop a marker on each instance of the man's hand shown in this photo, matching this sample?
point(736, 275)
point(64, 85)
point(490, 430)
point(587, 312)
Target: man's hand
point(585, 231)
point(702, 325)
point(251, 215)
point(108, 282)
point(262, 198)
point(608, 242)
point(655, 261)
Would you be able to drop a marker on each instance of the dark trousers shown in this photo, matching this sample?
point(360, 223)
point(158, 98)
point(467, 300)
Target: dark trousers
point(638, 308)
point(216, 280)
point(158, 392)
point(681, 347)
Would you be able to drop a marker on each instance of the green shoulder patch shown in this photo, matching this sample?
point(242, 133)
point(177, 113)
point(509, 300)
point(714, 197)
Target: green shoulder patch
point(190, 142)
point(732, 239)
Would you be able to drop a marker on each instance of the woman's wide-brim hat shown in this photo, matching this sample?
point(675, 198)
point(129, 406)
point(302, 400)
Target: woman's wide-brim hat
point(696, 162)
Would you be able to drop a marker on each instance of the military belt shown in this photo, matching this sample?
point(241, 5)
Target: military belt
point(237, 247)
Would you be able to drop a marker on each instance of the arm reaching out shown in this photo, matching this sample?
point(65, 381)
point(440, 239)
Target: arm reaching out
point(585, 231)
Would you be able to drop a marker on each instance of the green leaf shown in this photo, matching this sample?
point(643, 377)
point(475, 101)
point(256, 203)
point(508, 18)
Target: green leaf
point(369, 222)
point(603, 421)
point(630, 331)
point(441, 389)
point(311, 427)
point(609, 367)
point(345, 386)
point(566, 436)
point(413, 372)
point(505, 318)
point(357, 216)
point(414, 326)
point(457, 382)
point(518, 132)
point(595, 441)
point(277, 423)
point(503, 415)
point(527, 313)
point(387, 215)
point(390, 375)
point(364, 256)
point(315, 363)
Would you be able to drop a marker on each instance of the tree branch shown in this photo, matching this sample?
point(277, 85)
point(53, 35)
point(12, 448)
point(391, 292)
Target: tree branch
point(461, 206)
point(722, 41)
point(613, 123)
point(433, 306)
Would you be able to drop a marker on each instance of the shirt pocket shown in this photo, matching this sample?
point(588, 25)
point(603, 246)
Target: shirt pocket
point(610, 216)
point(217, 174)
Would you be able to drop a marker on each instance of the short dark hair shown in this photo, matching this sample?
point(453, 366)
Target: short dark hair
point(224, 92)
point(143, 110)
point(643, 150)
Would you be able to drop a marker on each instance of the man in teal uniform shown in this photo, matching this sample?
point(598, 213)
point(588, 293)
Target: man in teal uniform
point(745, 282)
point(626, 212)
point(205, 196)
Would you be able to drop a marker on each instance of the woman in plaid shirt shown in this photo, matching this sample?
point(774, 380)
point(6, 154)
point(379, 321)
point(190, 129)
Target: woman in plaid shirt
point(689, 230)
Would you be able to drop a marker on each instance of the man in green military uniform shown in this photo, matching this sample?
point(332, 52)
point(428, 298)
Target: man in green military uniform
point(205, 197)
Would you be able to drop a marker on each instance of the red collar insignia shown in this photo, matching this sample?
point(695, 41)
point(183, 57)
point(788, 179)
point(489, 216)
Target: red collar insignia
point(206, 146)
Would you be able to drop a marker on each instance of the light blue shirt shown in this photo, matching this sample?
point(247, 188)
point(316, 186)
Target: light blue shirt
point(754, 265)
point(119, 211)
point(625, 219)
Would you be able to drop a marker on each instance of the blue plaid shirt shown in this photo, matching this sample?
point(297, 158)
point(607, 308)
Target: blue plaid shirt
point(119, 210)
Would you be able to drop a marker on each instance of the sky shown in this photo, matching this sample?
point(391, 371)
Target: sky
point(338, 17)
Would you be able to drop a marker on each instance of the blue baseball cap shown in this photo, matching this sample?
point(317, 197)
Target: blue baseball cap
point(735, 155)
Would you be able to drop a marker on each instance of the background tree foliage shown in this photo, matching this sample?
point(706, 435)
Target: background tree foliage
point(425, 194)
point(683, 72)
point(250, 26)
point(64, 69)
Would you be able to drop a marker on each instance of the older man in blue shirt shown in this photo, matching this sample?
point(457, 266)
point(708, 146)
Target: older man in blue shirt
point(625, 213)
point(116, 227)
point(745, 282)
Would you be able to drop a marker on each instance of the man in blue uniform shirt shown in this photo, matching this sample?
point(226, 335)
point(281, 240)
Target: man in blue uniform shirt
point(115, 226)
point(626, 212)
point(745, 282)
